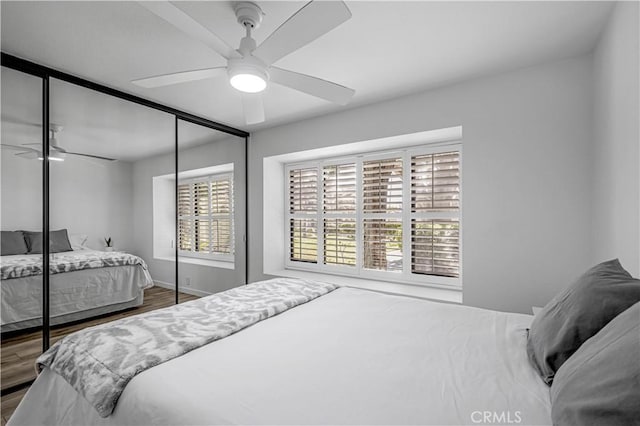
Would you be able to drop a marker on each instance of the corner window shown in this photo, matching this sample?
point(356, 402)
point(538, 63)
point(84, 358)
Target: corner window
point(392, 216)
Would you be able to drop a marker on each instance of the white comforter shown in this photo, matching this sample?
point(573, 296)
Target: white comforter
point(350, 357)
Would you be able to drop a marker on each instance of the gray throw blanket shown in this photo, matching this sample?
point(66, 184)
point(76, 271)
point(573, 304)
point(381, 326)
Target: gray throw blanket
point(99, 361)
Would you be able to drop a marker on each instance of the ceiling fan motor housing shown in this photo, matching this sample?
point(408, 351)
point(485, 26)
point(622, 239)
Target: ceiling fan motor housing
point(249, 64)
point(248, 13)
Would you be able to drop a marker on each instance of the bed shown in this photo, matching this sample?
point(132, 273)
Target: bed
point(350, 356)
point(83, 283)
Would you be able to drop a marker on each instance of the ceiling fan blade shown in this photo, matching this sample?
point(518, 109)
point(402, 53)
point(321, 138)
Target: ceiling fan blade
point(178, 77)
point(315, 19)
point(253, 108)
point(91, 156)
point(19, 147)
point(29, 155)
point(51, 145)
point(189, 26)
point(312, 85)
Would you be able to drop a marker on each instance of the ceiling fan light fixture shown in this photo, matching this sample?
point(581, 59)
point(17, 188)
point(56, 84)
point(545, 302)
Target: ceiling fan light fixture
point(53, 156)
point(248, 75)
point(248, 83)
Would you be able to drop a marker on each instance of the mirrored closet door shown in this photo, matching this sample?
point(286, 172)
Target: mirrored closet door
point(107, 256)
point(21, 220)
point(211, 210)
point(130, 187)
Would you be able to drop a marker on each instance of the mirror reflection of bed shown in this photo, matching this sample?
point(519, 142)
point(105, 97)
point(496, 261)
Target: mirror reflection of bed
point(112, 214)
point(100, 204)
point(85, 281)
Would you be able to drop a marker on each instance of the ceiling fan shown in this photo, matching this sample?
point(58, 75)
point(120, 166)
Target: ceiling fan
point(56, 152)
point(250, 68)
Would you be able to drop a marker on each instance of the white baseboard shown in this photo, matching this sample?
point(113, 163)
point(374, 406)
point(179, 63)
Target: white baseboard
point(183, 289)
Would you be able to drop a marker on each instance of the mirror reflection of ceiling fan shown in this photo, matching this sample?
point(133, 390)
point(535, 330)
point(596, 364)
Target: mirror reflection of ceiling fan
point(56, 152)
point(250, 67)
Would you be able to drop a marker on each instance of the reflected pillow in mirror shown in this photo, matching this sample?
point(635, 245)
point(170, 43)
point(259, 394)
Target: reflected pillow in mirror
point(12, 242)
point(58, 241)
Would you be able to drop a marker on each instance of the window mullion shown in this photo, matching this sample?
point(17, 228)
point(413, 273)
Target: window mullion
point(232, 226)
point(407, 253)
point(359, 216)
point(192, 201)
point(288, 215)
point(214, 246)
point(320, 215)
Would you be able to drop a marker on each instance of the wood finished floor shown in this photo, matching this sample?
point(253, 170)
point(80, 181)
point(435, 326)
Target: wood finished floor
point(18, 353)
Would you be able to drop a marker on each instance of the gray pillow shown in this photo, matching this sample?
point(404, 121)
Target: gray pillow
point(58, 241)
point(600, 383)
point(12, 242)
point(578, 313)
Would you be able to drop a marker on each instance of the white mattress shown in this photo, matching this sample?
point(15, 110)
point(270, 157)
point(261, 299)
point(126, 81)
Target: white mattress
point(350, 357)
point(70, 293)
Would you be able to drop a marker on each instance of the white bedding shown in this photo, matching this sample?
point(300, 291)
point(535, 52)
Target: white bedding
point(350, 357)
point(70, 294)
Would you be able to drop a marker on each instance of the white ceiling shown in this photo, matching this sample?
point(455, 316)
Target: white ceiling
point(386, 50)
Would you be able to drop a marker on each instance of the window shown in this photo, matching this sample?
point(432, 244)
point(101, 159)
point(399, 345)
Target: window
point(393, 216)
point(205, 217)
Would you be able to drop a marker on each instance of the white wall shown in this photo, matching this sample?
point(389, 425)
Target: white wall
point(526, 137)
point(85, 197)
point(616, 160)
point(203, 279)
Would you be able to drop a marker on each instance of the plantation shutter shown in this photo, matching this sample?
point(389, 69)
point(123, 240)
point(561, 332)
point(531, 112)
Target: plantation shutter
point(303, 240)
point(435, 238)
point(339, 208)
point(340, 242)
point(339, 188)
point(435, 246)
point(382, 229)
point(303, 203)
point(393, 215)
point(185, 226)
point(435, 182)
point(205, 210)
point(221, 229)
point(383, 244)
point(382, 186)
point(303, 190)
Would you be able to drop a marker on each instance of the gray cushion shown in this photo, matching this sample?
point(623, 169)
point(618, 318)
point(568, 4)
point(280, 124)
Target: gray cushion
point(58, 241)
point(12, 242)
point(578, 313)
point(600, 383)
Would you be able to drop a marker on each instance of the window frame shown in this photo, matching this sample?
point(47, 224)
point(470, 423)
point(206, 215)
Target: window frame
point(222, 257)
point(405, 216)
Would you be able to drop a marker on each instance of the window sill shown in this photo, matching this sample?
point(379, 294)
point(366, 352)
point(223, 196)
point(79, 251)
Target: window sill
point(422, 292)
point(201, 262)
